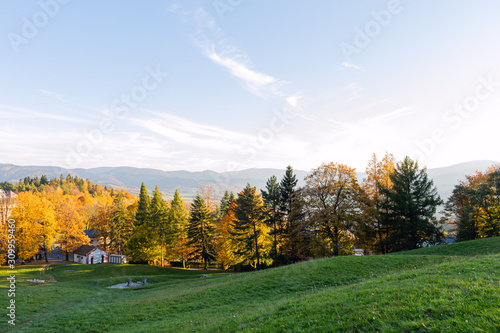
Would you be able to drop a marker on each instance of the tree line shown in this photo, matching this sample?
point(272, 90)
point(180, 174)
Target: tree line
point(53, 211)
point(393, 209)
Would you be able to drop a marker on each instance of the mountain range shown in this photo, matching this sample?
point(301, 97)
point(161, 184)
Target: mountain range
point(188, 183)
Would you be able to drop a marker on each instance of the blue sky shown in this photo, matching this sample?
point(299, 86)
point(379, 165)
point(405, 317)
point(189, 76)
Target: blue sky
point(234, 84)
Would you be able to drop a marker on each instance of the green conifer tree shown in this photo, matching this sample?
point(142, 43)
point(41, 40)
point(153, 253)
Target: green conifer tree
point(200, 230)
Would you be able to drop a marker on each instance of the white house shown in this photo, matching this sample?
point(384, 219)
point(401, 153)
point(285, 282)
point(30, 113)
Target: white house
point(117, 259)
point(88, 254)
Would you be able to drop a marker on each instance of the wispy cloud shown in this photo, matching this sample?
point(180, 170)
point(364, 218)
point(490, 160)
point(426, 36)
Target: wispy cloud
point(192, 134)
point(59, 97)
point(15, 112)
point(351, 65)
point(214, 45)
point(240, 70)
point(404, 111)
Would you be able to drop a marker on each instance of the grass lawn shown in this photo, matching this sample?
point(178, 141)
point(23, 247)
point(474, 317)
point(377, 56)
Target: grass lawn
point(450, 288)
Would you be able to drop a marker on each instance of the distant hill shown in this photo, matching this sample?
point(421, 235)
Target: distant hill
point(188, 183)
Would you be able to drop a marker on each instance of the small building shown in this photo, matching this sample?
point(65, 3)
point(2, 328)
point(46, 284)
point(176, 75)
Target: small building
point(117, 259)
point(358, 252)
point(89, 254)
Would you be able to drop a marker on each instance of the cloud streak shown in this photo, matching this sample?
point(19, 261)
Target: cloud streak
point(15, 112)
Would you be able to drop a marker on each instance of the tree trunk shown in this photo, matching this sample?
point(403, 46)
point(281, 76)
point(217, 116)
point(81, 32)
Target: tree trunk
point(161, 249)
point(275, 246)
point(336, 243)
point(256, 246)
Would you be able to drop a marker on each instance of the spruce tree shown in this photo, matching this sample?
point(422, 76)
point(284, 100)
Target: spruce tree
point(410, 208)
point(121, 225)
point(158, 220)
point(142, 215)
point(177, 233)
point(287, 185)
point(272, 196)
point(249, 225)
point(200, 230)
point(226, 200)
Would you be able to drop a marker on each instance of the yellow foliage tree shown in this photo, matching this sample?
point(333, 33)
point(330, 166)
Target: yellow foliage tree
point(225, 244)
point(71, 226)
point(377, 175)
point(35, 224)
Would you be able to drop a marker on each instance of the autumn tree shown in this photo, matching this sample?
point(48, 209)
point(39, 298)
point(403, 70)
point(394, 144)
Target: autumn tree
point(250, 228)
point(224, 204)
point(200, 231)
point(178, 240)
point(373, 231)
point(225, 245)
point(475, 205)
point(142, 245)
point(332, 196)
point(7, 201)
point(35, 224)
point(71, 227)
point(100, 220)
point(409, 211)
point(207, 192)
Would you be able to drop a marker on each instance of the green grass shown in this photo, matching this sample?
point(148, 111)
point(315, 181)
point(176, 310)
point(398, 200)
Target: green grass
point(450, 288)
point(469, 248)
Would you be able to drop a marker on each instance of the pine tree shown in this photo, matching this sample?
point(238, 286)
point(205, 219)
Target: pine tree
point(178, 231)
point(158, 225)
point(226, 200)
point(200, 230)
point(250, 228)
point(288, 184)
point(410, 208)
point(121, 225)
point(272, 196)
point(142, 214)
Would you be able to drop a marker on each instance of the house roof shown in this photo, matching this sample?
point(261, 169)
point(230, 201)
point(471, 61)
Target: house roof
point(92, 233)
point(85, 250)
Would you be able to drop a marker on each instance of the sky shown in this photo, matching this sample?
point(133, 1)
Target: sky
point(228, 85)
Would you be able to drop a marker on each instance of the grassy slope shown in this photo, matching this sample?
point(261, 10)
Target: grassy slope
point(422, 290)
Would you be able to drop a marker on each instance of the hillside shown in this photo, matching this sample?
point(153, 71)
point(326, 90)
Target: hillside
point(436, 292)
point(188, 183)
